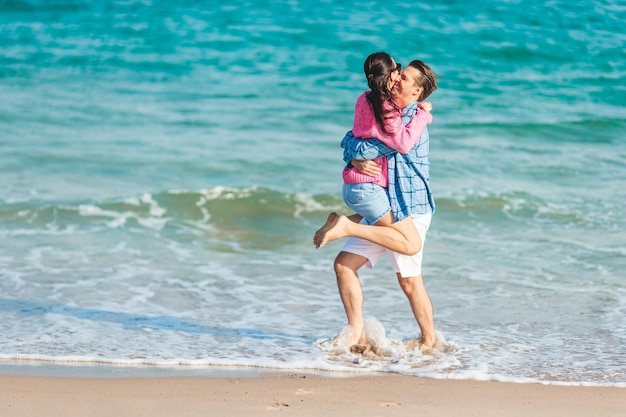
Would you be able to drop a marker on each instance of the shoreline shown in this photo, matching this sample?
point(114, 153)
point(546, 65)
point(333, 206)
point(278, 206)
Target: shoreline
point(298, 394)
point(96, 370)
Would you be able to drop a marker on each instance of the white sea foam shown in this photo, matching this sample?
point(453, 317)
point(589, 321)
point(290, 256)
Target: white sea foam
point(119, 219)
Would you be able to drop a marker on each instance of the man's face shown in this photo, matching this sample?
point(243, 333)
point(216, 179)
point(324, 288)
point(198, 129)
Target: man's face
point(405, 90)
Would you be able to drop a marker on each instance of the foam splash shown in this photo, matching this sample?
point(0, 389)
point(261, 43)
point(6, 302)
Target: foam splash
point(382, 353)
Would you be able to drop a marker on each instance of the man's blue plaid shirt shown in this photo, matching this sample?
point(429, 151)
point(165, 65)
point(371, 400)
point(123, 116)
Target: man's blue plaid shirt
point(409, 189)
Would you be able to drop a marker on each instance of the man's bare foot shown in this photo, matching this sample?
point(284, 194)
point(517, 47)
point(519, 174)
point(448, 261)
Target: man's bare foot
point(359, 349)
point(425, 349)
point(334, 228)
point(418, 344)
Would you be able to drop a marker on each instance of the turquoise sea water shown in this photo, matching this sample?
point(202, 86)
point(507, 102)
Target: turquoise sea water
point(164, 165)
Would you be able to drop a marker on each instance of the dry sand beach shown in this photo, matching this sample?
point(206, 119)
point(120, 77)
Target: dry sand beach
point(299, 395)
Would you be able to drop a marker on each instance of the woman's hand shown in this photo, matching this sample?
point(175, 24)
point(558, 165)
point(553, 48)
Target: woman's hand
point(369, 168)
point(426, 106)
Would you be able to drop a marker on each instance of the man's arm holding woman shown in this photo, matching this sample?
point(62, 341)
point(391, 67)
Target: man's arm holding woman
point(359, 152)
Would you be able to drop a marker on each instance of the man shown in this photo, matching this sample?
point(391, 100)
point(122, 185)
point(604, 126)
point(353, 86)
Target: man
point(409, 194)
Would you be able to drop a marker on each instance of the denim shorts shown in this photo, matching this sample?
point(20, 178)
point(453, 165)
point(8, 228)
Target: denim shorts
point(369, 200)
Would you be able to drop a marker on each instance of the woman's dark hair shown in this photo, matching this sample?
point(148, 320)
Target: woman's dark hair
point(377, 67)
point(426, 78)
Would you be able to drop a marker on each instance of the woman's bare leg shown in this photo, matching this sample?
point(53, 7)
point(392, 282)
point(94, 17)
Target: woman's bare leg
point(401, 237)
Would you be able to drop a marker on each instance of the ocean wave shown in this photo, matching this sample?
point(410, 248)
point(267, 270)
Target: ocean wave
point(516, 206)
point(248, 215)
point(263, 209)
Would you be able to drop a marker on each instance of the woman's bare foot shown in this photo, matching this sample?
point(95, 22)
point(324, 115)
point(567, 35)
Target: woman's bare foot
point(318, 239)
point(334, 228)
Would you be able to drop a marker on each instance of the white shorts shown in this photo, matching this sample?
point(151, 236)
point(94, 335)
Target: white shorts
point(406, 266)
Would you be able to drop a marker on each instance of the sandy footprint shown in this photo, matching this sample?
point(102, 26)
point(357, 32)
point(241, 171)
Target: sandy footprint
point(276, 405)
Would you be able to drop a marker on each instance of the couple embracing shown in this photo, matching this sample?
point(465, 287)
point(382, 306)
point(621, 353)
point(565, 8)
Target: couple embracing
point(386, 182)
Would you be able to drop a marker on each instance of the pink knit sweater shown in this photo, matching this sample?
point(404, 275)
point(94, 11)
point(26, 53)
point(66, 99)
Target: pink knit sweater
point(399, 137)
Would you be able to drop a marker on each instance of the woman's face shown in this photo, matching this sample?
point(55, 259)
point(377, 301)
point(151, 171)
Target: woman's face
point(395, 74)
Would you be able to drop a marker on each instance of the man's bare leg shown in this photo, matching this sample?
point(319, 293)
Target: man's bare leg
point(401, 237)
point(346, 266)
point(422, 307)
